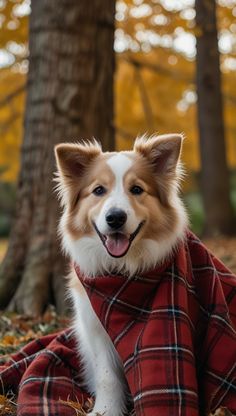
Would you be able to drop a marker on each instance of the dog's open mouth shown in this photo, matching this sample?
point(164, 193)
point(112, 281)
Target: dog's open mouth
point(117, 244)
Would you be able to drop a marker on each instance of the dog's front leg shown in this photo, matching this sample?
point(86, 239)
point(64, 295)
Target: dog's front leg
point(103, 371)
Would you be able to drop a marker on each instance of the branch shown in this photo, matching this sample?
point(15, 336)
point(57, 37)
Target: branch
point(230, 99)
point(4, 127)
point(166, 72)
point(145, 99)
point(157, 68)
point(12, 95)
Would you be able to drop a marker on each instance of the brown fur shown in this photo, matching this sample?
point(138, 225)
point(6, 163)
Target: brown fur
point(83, 167)
point(160, 217)
point(87, 203)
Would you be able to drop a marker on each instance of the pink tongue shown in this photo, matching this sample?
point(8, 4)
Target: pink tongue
point(117, 244)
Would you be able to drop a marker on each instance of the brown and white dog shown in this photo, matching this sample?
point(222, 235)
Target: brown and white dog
point(121, 213)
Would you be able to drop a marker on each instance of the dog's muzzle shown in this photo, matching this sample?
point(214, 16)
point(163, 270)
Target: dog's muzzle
point(118, 243)
point(116, 218)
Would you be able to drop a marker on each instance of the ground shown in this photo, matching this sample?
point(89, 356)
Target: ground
point(17, 330)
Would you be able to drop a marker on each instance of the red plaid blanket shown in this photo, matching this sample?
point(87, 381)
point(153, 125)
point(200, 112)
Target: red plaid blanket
point(173, 327)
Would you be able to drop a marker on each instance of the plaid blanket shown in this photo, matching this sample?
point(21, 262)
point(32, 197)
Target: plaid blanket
point(173, 327)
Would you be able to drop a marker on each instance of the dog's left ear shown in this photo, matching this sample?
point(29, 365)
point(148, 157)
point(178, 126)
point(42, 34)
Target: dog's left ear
point(162, 152)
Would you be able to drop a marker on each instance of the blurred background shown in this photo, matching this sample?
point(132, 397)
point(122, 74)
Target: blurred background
point(113, 70)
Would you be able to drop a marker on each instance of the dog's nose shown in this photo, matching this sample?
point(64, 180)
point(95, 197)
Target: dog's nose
point(115, 218)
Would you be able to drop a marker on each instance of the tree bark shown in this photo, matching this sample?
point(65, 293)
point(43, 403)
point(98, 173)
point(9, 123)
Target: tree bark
point(70, 97)
point(214, 174)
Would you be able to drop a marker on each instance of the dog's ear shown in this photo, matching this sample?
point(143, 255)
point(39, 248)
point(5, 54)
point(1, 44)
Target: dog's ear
point(162, 152)
point(72, 159)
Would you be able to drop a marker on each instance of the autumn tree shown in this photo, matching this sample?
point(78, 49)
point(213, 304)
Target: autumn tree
point(69, 97)
point(155, 56)
point(214, 171)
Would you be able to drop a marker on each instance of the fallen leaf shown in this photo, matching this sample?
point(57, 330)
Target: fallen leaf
point(222, 411)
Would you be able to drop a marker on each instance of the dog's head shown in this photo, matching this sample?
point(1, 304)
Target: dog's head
point(121, 209)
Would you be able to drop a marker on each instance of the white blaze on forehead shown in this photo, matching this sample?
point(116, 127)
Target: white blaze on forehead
point(118, 198)
point(119, 165)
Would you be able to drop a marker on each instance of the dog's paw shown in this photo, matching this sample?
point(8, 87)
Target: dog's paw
point(105, 408)
point(105, 412)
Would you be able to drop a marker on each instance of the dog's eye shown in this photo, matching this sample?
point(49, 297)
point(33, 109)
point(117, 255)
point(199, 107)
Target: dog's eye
point(99, 191)
point(136, 190)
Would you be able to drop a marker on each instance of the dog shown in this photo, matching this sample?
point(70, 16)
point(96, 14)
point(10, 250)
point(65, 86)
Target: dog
point(121, 212)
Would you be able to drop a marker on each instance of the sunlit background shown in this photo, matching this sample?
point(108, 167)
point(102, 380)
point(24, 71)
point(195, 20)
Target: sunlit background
point(155, 48)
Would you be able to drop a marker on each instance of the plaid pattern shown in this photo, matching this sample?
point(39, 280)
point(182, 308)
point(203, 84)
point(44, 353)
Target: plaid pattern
point(173, 327)
point(44, 371)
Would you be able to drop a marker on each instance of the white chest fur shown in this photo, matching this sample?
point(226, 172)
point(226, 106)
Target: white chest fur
point(103, 370)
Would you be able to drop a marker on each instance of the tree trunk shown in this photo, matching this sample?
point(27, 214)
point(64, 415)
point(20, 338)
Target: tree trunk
point(70, 97)
point(214, 174)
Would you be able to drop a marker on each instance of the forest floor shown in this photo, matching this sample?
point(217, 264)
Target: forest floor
point(18, 330)
point(225, 249)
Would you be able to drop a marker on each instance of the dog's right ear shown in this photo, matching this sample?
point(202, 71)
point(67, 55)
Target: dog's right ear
point(72, 159)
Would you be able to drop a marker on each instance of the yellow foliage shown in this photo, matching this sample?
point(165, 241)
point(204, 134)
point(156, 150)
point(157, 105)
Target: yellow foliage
point(163, 94)
point(13, 40)
point(168, 78)
point(154, 85)
point(11, 122)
